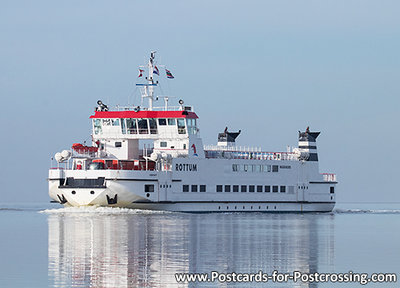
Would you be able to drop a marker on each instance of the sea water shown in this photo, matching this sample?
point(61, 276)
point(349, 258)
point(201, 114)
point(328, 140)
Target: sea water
point(44, 245)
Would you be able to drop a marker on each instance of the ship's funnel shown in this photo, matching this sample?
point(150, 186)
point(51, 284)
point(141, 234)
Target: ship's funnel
point(227, 138)
point(308, 144)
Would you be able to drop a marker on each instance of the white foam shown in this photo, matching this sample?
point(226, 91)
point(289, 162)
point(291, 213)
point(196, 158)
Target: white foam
point(100, 210)
point(365, 211)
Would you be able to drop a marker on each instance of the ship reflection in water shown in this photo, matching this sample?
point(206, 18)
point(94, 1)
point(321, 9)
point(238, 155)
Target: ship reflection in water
point(146, 250)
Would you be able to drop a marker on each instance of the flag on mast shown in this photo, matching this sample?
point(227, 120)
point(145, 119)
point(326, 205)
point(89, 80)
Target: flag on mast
point(169, 74)
point(140, 73)
point(156, 71)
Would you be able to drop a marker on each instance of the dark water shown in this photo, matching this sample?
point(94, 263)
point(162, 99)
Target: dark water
point(106, 247)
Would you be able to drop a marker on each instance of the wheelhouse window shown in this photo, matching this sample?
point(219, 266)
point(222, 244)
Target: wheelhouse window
point(202, 188)
point(162, 122)
point(259, 188)
point(243, 188)
point(267, 188)
point(153, 126)
point(171, 122)
point(251, 188)
point(191, 124)
point(97, 126)
point(115, 122)
point(149, 188)
point(143, 127)
point(235, 167)
point(181, 126)
point(275, 189)
point(123, 126)
point(163, 144)
point(235, 188)
point(131, 125)
point(283, 189)
point(267, 168)
point(185, 188)
point(194, 188)
point(274, 168)
point(227, 188)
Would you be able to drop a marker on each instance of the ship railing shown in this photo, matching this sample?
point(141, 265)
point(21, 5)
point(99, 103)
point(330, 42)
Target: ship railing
point(256, 155)
point(232, 148)
point(158, 108)
point(329, 177)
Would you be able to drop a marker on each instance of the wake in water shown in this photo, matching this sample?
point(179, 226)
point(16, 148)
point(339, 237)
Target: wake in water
point(11, 209)
point(100, 211)
point(365, 211)
point(87, 210)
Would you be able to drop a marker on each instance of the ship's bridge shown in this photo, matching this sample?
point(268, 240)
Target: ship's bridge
point(144, 124)
point(117, 133)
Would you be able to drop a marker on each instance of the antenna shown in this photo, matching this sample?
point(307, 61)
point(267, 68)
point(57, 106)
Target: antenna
point(148, 89)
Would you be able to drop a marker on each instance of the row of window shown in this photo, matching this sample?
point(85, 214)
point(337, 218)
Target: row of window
point(145, 126)
point(241, 188)
point(165, 186)
point(254, 168)
point(254, 188)
point(194, 188)
point(235, 188)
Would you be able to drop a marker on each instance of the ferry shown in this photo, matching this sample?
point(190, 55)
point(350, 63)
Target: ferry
point(146, 157)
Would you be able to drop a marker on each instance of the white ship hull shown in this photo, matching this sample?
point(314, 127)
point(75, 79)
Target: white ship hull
point(128, 188)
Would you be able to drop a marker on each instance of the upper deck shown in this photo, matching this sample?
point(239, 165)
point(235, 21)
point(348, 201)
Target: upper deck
point(133, 123)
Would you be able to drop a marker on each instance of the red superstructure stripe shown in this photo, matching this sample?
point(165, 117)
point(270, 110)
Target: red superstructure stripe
point(144, 114)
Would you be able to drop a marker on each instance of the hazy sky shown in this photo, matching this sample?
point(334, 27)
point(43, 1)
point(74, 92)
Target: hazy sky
point(269, 68)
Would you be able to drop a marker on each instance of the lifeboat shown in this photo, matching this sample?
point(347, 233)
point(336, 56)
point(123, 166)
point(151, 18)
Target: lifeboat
point(81, 149)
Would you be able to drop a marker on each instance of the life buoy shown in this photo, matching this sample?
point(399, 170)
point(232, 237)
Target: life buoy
point(79, 165)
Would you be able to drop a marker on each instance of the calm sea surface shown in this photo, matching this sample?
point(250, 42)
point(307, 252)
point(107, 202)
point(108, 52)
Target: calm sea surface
point(43, 245)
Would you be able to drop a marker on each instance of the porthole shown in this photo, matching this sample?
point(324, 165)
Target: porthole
point(243, 207)
point(219, 207)
point(259, 207)
point(92, 192)
point(148, 194)
point(227, 208)
point(274, 207)
point(73, 192)
point(235, 207)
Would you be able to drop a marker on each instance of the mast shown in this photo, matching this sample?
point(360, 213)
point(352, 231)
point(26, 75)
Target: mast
point(149, 90)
